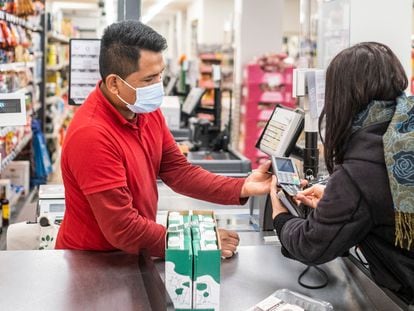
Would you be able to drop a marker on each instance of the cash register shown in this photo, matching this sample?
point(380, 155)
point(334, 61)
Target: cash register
point(51, 203)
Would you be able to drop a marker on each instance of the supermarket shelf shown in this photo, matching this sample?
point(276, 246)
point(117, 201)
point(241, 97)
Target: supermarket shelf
point(57, 38)
point(50, 100)
point(4, 130)
point(210, 57)
point(37, 107)
point(57, 67)
point(18, 21)
point(6, 161)
point(38, 54)
point(56, 163)
point(25, 90)
point(57, 126)
point(16, 66)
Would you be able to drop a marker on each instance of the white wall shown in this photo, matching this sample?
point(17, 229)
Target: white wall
point(215, 15)
point(258, 30)
point(390, 23)
point(291, 24)
point(194, 13)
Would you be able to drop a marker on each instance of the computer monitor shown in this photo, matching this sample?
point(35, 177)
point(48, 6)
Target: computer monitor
point(13, 109)
point(192, 100)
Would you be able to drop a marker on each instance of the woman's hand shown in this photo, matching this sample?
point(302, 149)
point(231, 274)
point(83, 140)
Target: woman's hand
point(277, 207)
point(311, 196)
point(258, 182)
point(229, 241)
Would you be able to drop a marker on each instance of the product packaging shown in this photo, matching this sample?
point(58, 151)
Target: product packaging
point(192, 260)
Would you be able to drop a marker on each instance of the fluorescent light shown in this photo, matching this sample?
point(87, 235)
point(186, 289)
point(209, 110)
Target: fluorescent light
point(154, 10)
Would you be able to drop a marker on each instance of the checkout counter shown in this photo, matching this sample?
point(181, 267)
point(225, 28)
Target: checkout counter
point(83, 280)
point(207, 141)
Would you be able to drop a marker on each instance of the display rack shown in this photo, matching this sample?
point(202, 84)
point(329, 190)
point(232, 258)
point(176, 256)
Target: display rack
point(19, 147)
point(52, 37)
point(19, 21)
point(21, 72)
point(262, 91)
point(57, 69)
point(207, 60)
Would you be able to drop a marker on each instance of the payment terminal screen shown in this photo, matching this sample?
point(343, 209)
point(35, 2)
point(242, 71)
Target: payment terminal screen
point(284, 165)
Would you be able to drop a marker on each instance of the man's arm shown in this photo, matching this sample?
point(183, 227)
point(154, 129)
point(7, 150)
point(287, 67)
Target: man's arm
point(193, 181)
point(122, 225)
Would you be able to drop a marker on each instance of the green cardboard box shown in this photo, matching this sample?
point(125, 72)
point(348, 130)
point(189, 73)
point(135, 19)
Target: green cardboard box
point(206, 271)
point(179, 265)
point(192, 266)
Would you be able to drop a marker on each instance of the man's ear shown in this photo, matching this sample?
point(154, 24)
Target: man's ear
point(112, 84)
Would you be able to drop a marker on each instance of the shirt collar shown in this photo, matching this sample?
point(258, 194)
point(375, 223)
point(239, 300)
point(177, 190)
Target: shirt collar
point(139, 122)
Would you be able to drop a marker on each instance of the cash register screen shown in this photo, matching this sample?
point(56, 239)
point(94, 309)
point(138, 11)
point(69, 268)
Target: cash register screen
point(13, 109)
point(10, 106)
point(56, 208)
point(192, 100)
point(284, 165)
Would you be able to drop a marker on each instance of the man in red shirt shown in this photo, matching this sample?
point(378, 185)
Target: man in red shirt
point(118, 144)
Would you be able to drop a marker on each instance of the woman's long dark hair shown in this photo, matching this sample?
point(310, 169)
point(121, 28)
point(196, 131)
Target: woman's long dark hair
point(356, 76)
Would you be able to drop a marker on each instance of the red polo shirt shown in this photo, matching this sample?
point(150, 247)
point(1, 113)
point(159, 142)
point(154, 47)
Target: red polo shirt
point(109, 169)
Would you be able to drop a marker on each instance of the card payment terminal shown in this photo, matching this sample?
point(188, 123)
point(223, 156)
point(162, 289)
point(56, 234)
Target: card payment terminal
point(287, 174)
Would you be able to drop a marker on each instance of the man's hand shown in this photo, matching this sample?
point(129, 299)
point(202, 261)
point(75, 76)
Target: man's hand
point(258, 182)
point(229, 242)
point(311, 196)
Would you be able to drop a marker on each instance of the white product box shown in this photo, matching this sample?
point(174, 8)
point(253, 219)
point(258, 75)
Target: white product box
point(19, 174)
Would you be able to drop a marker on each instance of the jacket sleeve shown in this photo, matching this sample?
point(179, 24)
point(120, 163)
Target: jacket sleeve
point(339, 222)
point(193, 181)
point(122, 225)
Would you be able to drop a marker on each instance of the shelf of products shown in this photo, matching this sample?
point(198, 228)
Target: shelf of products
point(21, 71)
point(207, 58)
point(16, 150)
point(57, 67)
point(54, 37)
point(57, 111)
point(11, 18)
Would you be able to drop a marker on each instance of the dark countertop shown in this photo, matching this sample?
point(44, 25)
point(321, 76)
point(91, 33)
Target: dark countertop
point(81, 280)
point(258, 271)
point(70, 280)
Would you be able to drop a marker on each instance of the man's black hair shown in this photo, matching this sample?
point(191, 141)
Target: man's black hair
point(121, 45)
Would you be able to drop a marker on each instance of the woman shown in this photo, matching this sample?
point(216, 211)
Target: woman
point(369, 152)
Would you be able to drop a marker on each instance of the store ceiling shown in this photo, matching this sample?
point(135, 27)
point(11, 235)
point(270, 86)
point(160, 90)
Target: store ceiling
point(164, 8)
point(169, 8)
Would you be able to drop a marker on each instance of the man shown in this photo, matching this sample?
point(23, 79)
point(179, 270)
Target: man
point(118, 144)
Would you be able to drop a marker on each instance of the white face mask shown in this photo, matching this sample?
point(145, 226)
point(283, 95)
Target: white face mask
point(148, 98)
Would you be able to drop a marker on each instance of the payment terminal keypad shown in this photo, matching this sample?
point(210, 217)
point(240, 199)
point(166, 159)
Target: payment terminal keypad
point(289, 182)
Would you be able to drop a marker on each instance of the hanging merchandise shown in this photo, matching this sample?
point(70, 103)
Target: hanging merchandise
point(43, 166)
point(24, 7)
point(14, 34)
point(6, 34)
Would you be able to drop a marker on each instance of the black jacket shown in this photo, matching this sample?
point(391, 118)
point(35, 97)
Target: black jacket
point(356, 209)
